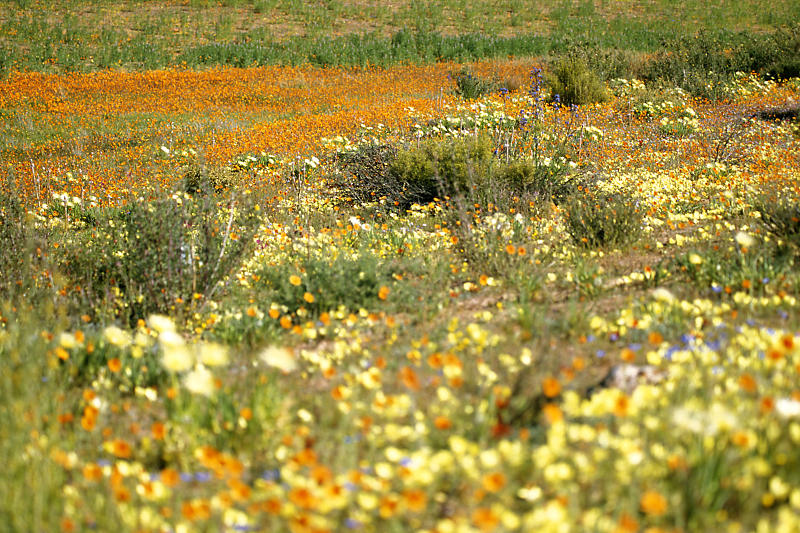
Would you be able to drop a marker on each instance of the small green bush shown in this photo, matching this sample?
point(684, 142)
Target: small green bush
point(469, 86)
point(780, 217)
point(538, 182)
point(601, 220)
point(575, 83)
point(198, 178)
point(149, 257)
point(367, 175)
point(446, 168)
point(24, 252)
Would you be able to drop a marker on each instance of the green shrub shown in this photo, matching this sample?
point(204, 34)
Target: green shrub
point(149, 257)
point(601, 220)
point(538, 182)
point(574, 83)
point(703, 63)
point(198, 178)
point(780, 217)
point(24, 252)
point(368, 175)
point(446, 168)
point(466, 169)
point(469, 86)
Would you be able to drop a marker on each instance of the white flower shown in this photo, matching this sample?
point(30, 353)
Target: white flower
point(67, 340)
point(663, 295)
point(170, 339)
point(279, 358)
point(212, 354)
point(199, 381)
point(745, 240)
point(177, 358)
point(161, 323)
point(117, 337)
point(787, 407)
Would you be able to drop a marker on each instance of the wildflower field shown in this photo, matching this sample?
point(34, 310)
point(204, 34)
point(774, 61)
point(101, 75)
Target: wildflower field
point(431, 287)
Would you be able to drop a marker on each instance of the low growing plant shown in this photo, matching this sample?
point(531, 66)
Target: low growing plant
point(598, 220)
point(152, 257)
point(575, 83)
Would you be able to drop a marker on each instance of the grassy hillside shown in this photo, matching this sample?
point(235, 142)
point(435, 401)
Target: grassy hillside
point(64, 36)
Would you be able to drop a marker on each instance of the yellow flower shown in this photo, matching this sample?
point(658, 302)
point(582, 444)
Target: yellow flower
point(295, 280)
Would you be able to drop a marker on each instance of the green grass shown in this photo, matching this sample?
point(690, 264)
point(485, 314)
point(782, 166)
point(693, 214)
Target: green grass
point(69, 36)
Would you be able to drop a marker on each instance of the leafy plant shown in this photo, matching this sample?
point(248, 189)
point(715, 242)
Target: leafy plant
point(780, 216)
point(575, 83)
point(596, 220)
point(469, 86)
point(151, 257)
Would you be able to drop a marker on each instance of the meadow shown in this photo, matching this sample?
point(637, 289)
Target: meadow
point(404, 266)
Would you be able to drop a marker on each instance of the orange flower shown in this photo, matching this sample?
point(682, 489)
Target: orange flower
point(415, 500)
point(92, 472)
point(767, 405)
point(442, 422)
point(286, 322)
point(115, 365)
point(511, 249)
point(383, 292)
point(321, 475)
point(308, 297)
point(485, 519)
point(409, 378)
point(552, 413)
point(655, 337)
point(159, 430)
point(302, 498)
point(621, 405)
point(120, 448)
point(627, 524)
point(653, 503)
point(628, 355)
point(747, 383)
point(551, 387)
point(246, 413)
point(493, 482)
point(170, 477)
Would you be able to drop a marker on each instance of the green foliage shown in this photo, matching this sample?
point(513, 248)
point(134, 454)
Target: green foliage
point(539, 182)
point(22, 262)
point(753, 269)
point(30, 483)
point(348, 280)
point(198, 178)
point(703, 63)
point(367, 175)
point(446, 168)
point(780, 216)
point(149, 257)
point(596, 220)
point(575, 83)
point(470, 86)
